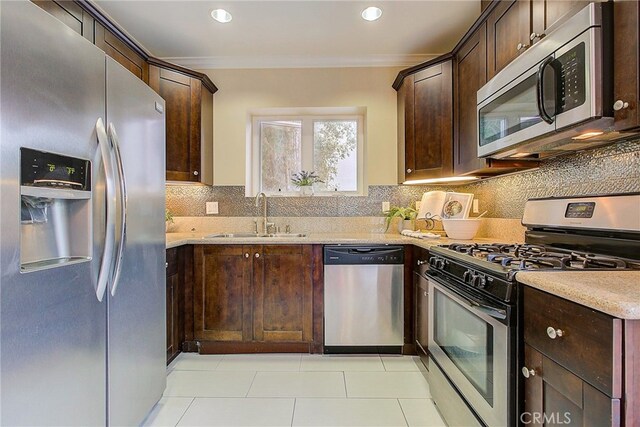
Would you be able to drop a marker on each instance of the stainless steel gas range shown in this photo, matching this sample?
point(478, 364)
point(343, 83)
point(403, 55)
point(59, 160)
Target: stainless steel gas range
point(474, 328)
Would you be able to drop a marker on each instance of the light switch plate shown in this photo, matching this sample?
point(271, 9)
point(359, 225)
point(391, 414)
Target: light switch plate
point(212, 208)
point(476, 208)
point(385, 206)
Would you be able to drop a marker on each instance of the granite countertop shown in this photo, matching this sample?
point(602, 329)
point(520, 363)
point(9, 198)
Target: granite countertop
point(616, 293)
point(179, 239)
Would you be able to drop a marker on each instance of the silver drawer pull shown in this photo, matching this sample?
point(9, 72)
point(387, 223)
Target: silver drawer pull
point(246, 255)
point(257, 255)
point(421, 262)
point(553, 332)
point(526, 372)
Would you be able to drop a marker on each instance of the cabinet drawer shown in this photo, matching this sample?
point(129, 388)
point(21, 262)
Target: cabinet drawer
point(589, 344)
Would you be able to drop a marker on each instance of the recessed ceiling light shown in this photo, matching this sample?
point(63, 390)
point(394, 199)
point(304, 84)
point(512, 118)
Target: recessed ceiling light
point(371, 13)
point(221, 15)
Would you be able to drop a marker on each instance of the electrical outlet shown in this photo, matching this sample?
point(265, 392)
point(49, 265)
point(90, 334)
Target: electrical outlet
point(418, 205)
point(476, 206)
point(212, 208)
point(385, 206)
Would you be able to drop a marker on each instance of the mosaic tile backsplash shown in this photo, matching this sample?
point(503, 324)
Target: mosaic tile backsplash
point(611, 169)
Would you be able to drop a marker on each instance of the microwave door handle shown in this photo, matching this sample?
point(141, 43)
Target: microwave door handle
point(113, 136)
point(107, 254)
point(540, 90)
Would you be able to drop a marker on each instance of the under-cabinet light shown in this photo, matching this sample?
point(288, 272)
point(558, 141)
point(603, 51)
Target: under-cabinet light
point(441, 180)
point(221, 16)
point(587, 135)
point(519, 155)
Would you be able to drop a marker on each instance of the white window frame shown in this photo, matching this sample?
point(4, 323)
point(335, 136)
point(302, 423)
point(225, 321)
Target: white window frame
point(307, 117)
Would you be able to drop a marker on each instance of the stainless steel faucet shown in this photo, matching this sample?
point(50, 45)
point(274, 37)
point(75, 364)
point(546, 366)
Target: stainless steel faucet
point(263, 228)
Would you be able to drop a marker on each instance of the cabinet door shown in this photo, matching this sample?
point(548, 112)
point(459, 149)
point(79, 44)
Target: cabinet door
point(546, 13)
point(406, 139)
point(430, 155)
point(71, 14)
point(123, 54)
point(222, 292)
point(555, 396)
point(172, 303)
point(471, 63)
point(181, 94)
point(508, 26)
point(626, 63)
point(283, 293)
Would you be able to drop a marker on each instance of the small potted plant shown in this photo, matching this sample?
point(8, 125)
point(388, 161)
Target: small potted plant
point(406, 217)
point(168, 220)
point(304, 181)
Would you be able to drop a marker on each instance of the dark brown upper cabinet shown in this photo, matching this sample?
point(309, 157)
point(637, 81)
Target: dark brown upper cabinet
point(471, 75)
point(189, 122)
point(626, 66)
point(426, 126)
point(513, 26)
point(123, 54)
point(71, 14)
point(508, 31)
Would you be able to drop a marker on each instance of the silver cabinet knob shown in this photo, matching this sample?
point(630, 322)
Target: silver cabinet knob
point(422, 262)
point(534, 36)
point(195, 173)
point(409, 170)
point(620, 105)
point(246, 255)
point(166, 265)
point(257, 255)
point(553, 332)
point(426, 294)
point(526, 372)
point(521, 46)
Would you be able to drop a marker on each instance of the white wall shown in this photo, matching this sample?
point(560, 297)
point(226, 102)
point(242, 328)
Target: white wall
point(241, 91)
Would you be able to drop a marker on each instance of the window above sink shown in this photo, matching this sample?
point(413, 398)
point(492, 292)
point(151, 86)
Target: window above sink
point(328, 141)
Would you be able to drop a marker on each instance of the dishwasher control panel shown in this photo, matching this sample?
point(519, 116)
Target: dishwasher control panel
point(357, 255)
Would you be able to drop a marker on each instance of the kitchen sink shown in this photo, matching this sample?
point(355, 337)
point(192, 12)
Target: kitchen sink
point(254, 235)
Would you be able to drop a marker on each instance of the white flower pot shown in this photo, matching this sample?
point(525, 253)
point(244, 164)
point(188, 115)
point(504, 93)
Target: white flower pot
point(406, 224)
point(306, 190)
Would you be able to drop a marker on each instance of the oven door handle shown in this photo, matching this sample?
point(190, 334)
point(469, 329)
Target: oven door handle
point(496, 313)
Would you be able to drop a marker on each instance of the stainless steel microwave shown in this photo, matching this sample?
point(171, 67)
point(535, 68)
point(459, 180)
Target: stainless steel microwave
point(555, 97)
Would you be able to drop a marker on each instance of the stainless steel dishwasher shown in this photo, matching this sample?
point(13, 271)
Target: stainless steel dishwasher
point(363, 299)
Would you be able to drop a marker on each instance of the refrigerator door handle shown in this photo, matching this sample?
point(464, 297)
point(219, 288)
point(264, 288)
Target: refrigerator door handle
point(109, 240)
point(115, 142)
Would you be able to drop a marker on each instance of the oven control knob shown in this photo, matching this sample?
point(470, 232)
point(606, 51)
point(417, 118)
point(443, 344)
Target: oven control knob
point(466, 276)
point(480, 282)
point(432, 261)
point(440, 263)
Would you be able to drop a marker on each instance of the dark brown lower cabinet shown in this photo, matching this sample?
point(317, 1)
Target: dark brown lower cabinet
point(254, 298)
point(555, 396)
point(175, 301)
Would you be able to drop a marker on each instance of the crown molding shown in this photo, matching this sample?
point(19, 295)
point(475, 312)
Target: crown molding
point(232, 62)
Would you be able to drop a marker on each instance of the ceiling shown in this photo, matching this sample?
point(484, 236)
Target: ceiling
point(278, 34)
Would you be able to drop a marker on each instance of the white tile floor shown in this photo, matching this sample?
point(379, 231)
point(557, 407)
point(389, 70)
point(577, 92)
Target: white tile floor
point(295, 390)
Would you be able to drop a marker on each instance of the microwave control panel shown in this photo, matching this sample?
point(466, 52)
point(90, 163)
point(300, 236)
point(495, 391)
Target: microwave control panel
point(572, 82)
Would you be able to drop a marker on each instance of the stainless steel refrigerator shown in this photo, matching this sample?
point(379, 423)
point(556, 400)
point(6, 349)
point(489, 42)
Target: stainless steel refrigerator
point(82, 243)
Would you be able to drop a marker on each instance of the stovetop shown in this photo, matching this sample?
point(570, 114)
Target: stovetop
point(490, 269)
point(535, 257)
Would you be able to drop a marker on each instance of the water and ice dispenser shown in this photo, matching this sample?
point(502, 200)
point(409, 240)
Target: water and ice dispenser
point(56, 210)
